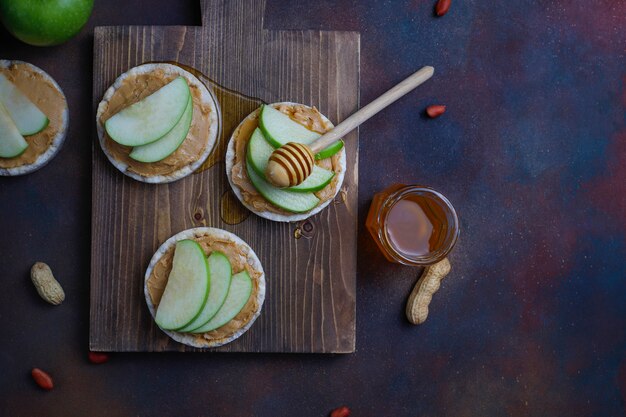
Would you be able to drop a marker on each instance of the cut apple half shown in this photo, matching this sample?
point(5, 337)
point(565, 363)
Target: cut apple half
point(12, 143)
point(279, 129)
point(221, 274)
point(238, 295)
point(259, 152)
point(151, 118)
point(25, 114)
point(295, 202)
point(168, 144)
point(187, 287)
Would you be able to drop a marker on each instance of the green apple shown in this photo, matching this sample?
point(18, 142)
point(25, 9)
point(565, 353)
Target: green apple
point(167, 145)
point(26, 116)
point(187, 287)
point(12, 144)
point(259, 152)
point(238, 295)
point(151, 118)
point(45, 22)
point(279, 129)
point(221, 274)
point(295, 202)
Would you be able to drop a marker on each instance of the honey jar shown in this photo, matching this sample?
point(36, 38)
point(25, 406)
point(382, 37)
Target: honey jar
point(412, 224)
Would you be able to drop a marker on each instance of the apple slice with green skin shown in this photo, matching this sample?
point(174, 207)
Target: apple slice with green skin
point(279, 129)
point(291, 201)
point(329, 151)
point(259, 152)
point(187, 287)
point(221, 274)
point(25, 114)
point(318, 179)
point(151, 118)
point(167, 145)
point(12, 144)
point(238, 295)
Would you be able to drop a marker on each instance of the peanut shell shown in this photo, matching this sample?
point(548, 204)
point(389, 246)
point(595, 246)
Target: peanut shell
point(47, 287)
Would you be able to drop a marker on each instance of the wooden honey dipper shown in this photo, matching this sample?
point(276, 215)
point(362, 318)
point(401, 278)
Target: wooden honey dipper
point(293, 162)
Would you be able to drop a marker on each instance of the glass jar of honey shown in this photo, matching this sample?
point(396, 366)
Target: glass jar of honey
point(413, 225)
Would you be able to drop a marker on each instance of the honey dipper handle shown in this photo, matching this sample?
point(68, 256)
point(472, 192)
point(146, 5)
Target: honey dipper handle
point(371, 109)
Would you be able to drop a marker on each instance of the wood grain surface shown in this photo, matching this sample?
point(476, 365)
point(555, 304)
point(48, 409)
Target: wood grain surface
point(310, 302)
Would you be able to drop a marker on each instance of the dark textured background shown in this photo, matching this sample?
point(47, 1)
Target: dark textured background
point(532, 152)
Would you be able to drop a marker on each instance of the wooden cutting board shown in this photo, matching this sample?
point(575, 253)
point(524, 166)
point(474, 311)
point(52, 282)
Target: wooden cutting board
point(311, 280)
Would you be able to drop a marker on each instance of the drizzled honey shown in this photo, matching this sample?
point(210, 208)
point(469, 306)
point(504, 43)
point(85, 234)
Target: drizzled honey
point(412, 225)
point(233, 108)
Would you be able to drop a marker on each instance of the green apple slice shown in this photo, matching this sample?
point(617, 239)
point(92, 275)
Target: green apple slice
point(291, 201)
point(318, 179)
point(258, 152)
point(221, 274)
point(279, 129)
point(258, 155)
point(12, 144)
point(238, 295)
point(150, 119)
point(330, 150)
point(25, 114)
point(167, 145)
point(187, 287)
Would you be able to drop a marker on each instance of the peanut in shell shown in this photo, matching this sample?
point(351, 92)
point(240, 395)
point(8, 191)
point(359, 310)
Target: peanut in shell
point(47, 286)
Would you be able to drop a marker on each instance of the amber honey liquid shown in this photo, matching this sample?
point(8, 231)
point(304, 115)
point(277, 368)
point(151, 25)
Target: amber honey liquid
point(415, 226)
point(234, 107)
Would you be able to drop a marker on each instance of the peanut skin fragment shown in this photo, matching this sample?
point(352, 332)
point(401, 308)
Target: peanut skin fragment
point(47, 287)
point(435, 110)
point(442, 7)
point(427, 285)
point(43, 379)
point(341, 412)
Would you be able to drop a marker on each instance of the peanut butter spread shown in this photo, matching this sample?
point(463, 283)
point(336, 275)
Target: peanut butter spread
point(133, 89)
point(237, 254)
point(310, 118)
point(50, 101)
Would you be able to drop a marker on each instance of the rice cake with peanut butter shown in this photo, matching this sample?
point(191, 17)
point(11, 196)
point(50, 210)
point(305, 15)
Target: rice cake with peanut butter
point(237, 174)
point(138, 83)
point(241, 257)
point(46, 94)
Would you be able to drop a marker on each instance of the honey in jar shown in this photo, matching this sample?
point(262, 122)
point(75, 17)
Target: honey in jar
point(412, 225)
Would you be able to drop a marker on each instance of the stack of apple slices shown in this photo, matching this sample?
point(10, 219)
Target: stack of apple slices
point(19, 117)
point(201, 293)
point(155, 126)
point(276, 129)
